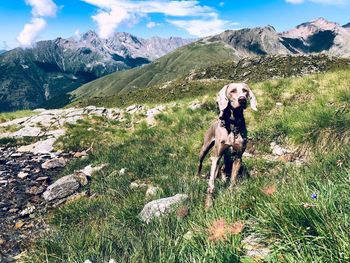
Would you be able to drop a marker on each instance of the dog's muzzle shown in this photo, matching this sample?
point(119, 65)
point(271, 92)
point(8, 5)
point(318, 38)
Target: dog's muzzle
point(242, 101)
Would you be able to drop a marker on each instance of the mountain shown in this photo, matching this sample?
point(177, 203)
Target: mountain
point(317, 36)
point(347, 25)
point(40, 76)
point(2, 51)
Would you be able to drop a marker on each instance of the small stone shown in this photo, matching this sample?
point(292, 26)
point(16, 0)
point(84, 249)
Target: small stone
point(16, 154)
point(80, 154)
point(136, 185)
point(54, 163)
point(19, 224)
point(29, 210)
point(279, 104)
point(195, 106)
point(42, 179)
point(22, 175)
point(89, 170)
point(2, 241)
point(34, 190)
point(122, 171)
point(152, 191)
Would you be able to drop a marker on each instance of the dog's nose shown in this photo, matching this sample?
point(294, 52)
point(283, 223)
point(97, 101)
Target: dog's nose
point(242, 100)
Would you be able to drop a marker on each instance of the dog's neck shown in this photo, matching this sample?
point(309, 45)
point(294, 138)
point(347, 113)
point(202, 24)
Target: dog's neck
point(234, 122)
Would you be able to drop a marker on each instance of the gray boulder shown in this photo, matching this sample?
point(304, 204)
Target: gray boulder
point(161, 207)
point(63, 187)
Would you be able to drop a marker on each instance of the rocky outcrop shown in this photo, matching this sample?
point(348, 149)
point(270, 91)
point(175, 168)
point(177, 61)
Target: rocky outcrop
point(318, 36)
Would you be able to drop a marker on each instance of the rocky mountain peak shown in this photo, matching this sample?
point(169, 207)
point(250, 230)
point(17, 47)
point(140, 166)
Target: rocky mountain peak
point(305, 30)
point(346, 25)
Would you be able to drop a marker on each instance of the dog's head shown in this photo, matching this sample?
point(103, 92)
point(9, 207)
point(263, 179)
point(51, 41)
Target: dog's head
point(237, 94)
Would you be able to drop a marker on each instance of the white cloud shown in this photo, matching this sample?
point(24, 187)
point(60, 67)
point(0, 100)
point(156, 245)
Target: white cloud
point(114, 12)
point(151, 24)
point(42, 8)
point(326, 2)
point(203, 27)
point(109, 21)
point(31, 31)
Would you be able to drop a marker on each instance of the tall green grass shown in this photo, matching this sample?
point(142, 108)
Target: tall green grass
point(297, 227)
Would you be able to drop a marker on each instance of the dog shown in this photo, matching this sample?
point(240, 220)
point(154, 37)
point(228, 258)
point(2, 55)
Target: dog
point(228, 135)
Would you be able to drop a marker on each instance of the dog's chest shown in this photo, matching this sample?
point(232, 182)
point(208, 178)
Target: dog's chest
point(236, 141)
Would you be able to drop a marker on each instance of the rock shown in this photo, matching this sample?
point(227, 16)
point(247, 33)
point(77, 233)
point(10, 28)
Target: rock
point(54, 163)
point(56, 133)
point(61, 188)
point(161, 207)
point(16, 154)
point(89, 170)
point(195, 106)
point(277, 149)
point(2, 241)
point(136, 185)
point(22, 175)
point(152, 113)
point(42, 179)
point(45, 146)
point(152, 191)
point(81, 178)
point(39, 110)
point(80, 154)
point(279, 104)
point(19, 224)
point(27, 132)
point(35, 190)
point(29, 210)
point(133, 109)
point(122, 171)
point(255, 247)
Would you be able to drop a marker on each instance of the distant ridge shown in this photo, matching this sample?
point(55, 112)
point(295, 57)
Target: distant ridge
point(314, 37)
point(35, 77)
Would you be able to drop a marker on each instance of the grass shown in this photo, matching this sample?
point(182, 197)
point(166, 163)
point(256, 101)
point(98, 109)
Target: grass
point(314, 117)
point(8, 116)
point(122, 91)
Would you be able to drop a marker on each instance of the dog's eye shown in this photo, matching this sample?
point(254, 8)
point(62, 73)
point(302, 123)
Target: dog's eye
point(244, 90)
point(234, 91)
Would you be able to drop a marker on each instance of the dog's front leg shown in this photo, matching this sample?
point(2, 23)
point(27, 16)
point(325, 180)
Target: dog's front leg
point(211, 185)
point(236, 166)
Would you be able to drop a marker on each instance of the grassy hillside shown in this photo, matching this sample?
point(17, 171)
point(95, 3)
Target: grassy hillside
point(169, 67)
point(206, 78)
point(275, 203)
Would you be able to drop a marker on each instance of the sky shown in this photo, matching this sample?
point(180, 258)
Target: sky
point(23, 22)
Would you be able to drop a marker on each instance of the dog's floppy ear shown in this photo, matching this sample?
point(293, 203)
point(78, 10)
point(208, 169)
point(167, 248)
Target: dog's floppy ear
point(253, 102)
point(222, 98)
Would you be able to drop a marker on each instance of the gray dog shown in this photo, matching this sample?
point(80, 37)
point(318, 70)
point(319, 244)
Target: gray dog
point(227, 135)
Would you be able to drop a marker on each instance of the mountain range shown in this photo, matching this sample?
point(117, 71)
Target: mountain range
point(44, 75)
point(35, 77)
point(317, 36)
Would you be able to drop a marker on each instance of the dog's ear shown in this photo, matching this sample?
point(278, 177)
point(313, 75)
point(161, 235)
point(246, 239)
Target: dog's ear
point(253, 102)
point(222, 98)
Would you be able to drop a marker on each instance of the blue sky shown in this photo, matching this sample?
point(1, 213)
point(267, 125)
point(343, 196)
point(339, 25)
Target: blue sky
point(22, 22)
